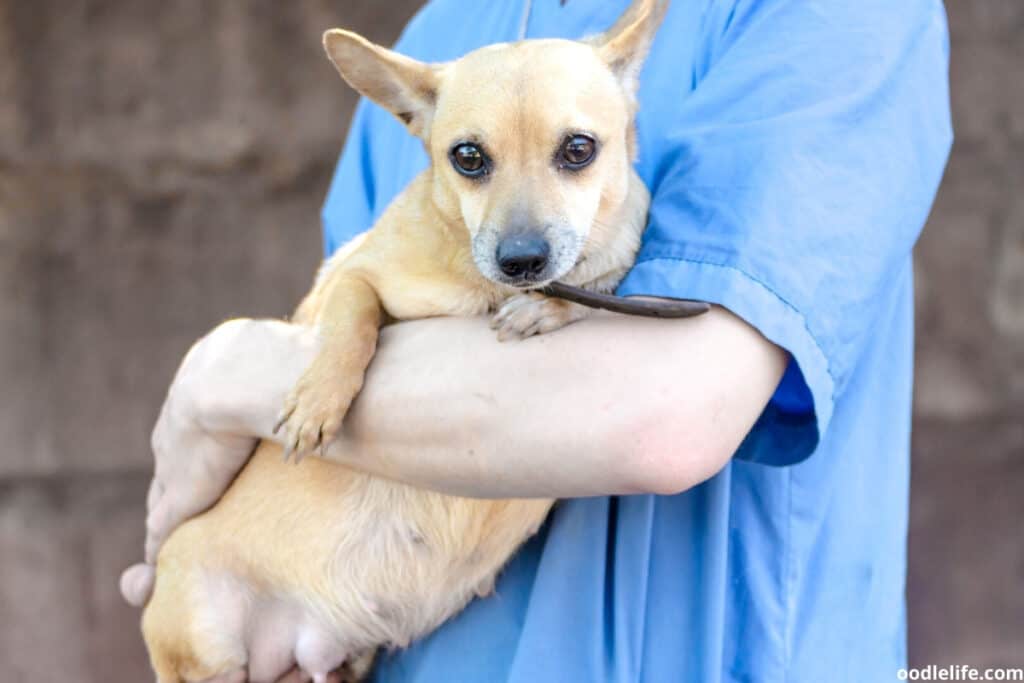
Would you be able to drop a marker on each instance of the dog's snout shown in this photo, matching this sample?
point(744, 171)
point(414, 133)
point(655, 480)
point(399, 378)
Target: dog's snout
point(523, 255)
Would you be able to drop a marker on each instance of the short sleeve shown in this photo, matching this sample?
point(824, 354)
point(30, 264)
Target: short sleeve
point(791, 184)
point(348, 209)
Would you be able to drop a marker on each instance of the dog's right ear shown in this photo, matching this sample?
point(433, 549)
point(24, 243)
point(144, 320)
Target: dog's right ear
point(405, 87)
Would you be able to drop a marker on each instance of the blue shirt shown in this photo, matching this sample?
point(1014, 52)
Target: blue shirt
point(793, 150)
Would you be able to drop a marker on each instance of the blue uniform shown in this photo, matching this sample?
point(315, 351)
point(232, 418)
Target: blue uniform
point(793, 149)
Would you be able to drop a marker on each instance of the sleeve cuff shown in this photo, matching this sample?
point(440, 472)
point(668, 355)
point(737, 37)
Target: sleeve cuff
point(792, 424)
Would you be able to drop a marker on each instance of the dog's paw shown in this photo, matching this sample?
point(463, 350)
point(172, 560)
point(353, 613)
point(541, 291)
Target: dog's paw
point(314, 409)
point(524, 315)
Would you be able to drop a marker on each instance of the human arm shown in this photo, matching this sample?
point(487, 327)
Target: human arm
point(609, 405)
point(605, 406)
point(790, 205)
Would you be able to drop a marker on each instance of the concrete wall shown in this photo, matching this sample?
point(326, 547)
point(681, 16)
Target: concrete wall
point(161, 169)
point(966, 584)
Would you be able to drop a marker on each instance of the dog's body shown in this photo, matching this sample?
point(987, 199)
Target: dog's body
point(319, 564)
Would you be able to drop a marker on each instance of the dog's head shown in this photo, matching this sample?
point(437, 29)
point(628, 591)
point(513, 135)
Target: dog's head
point(530, 143)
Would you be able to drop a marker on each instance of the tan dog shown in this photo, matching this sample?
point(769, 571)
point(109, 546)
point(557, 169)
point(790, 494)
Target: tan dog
point(530, 181)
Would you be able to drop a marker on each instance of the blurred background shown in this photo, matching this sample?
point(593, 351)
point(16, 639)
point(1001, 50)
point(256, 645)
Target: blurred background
point(162, 165)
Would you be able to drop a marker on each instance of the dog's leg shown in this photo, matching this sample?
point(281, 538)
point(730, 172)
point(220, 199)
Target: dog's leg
point(170, 623)
point(349, 324)
point(236, 676)
point(524, 315)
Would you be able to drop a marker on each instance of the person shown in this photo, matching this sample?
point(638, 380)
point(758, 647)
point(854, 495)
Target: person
point(736, 485)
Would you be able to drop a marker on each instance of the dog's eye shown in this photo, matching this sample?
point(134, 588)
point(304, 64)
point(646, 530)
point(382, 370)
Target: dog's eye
point(578, 151)
point(468, 159)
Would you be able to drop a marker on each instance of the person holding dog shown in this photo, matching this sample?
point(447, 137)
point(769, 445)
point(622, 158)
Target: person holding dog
point(737, 482)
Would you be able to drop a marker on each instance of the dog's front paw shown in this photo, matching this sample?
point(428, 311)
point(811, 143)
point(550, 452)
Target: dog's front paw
point(524, 315)
point(314, 410)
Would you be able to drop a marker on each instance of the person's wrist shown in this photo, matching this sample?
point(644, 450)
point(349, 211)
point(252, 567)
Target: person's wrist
point(201, 392)
point(236, 377)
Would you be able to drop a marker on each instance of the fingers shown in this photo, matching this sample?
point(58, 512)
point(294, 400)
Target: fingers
point(156, 490)
point(156, 529)
point(137, 584)
point(188, 490)
point(163, 518)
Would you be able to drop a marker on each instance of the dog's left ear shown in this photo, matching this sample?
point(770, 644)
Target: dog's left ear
point(405, 87)
point(624, 46)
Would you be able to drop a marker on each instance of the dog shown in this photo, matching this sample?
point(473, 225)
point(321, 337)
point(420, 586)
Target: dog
point(530, 181)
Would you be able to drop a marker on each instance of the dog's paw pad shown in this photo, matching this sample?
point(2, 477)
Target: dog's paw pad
point(524, 315)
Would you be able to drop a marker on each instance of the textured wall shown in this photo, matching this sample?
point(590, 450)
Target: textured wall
point(162, 163)
point(161, 168)
point(966, 584)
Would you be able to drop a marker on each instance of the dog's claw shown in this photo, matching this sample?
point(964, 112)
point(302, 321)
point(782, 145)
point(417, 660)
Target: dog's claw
point(282, 417)
point(524, 315)
point(314, 410)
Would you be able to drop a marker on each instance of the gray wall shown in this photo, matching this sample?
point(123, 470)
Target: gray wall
point(161, 169)
point(966, 584)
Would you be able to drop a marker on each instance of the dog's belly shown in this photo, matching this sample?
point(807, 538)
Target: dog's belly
point(317, 562)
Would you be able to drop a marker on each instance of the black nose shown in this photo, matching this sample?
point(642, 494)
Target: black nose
point(523, 255)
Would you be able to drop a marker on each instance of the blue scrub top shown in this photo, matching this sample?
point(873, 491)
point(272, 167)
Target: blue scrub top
point(793, 149)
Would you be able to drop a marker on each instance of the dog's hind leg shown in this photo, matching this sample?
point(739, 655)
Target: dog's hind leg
point(193, 624)
point(236, 676)
point(164, 628)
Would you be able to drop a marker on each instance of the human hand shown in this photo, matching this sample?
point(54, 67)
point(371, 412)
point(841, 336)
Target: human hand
point(222, 400)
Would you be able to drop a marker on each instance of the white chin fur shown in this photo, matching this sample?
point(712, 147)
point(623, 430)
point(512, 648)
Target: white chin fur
point(566, 248)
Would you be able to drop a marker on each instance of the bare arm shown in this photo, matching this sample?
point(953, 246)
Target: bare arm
point(610, 405)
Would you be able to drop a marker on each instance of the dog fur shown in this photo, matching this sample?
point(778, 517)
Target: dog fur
point(321, 564)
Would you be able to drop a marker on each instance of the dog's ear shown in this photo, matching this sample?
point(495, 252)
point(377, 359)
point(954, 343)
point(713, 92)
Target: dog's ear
point(405, 87)
point(624, 46)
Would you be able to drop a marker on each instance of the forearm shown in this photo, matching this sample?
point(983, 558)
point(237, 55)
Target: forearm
point(610, 405)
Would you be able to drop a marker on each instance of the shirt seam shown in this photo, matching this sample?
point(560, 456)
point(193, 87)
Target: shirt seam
point(789, 577)
point(788, 583)
point(803, 319)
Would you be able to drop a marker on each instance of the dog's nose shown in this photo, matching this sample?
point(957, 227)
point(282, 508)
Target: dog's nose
point(523, 255)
